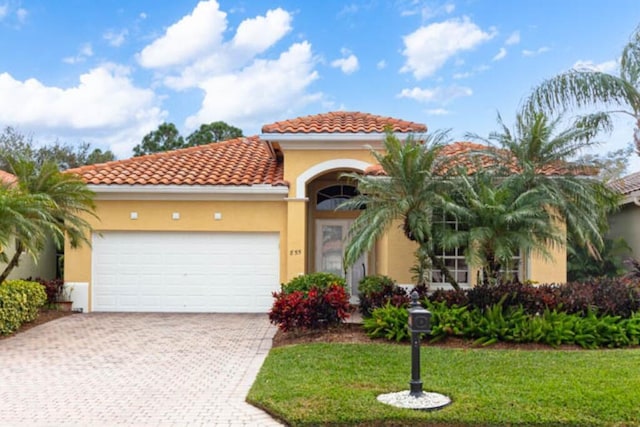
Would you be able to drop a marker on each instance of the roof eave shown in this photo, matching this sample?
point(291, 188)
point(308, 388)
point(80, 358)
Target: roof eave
point(190, 192)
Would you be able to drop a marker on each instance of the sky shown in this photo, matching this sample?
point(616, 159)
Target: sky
point(108, 72)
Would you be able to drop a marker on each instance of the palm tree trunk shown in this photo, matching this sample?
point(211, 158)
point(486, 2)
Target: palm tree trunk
point(437, 262)
point(13, 263)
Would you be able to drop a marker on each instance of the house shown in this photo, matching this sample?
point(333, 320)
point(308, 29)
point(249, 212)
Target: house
point(625, 222)
point(217, 228)
point(43, 266)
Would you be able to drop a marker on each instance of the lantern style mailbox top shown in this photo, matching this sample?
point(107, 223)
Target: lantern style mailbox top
point(419, 318)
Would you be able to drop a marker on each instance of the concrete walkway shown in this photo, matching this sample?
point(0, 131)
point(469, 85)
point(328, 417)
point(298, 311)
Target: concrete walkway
point(135, 369)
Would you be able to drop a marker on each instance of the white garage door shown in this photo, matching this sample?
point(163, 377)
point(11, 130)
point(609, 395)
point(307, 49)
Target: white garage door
point(184, 271)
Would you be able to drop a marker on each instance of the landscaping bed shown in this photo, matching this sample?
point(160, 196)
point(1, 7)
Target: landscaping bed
point(45, 315)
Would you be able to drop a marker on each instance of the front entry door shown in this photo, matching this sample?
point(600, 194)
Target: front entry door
point(331, 237)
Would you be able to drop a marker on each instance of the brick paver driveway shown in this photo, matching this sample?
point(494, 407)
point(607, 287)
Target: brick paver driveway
point(135, 369)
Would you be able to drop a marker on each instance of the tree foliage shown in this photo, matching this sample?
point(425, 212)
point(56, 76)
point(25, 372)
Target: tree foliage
point(66, 156)
point(497, 224)
point(167, 137)
point(414, 186)
point(588, 88)
point(542, 156)
point(213, 132)
point(43, 203)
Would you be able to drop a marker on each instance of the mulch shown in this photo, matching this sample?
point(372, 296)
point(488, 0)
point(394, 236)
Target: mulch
point(354, 333)
point(46, 315)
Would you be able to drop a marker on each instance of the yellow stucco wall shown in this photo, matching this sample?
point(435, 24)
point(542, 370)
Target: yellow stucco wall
point(299, 161)
point(626, 224)
point(44, 264)
point(397, 255)
point(256, 216)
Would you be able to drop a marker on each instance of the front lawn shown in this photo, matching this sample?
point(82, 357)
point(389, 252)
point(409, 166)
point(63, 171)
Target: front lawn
point(337, 384)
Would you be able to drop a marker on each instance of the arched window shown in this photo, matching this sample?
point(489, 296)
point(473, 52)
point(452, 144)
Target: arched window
point(329, 198)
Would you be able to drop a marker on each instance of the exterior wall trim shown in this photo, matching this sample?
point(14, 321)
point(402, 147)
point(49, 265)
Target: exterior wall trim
point(328, 165)
point(260, 192)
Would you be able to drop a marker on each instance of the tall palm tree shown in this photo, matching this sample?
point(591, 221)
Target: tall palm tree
point(23, 221)
point(62, 204)
point(587, 88)
point(499, 224)
point(535, 156)
point(413, 185)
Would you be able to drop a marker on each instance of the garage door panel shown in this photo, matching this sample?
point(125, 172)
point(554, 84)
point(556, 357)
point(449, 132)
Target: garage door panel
point(184, 272)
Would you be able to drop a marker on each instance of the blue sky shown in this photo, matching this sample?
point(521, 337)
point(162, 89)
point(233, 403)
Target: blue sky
point(108, 72)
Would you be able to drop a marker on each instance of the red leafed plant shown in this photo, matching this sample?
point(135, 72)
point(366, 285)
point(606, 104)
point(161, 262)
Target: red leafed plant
point(314, 309)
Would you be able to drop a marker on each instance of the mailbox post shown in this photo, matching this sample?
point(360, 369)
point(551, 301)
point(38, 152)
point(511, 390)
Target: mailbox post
point(419, 322)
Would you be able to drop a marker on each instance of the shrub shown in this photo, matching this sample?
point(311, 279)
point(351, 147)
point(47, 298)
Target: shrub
point(450, 297)
point(377, 291)
point(533, 299)
point(316, 308)
point(305, 282)
point(20, 302)
point(603, 295)
point(53, 288)
point(388, 322)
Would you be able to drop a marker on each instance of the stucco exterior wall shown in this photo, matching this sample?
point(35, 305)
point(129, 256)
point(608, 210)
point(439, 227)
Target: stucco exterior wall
point(237, 216)
point(44, 266)
point(626, 224)
point(397, 255)
point(299, 161)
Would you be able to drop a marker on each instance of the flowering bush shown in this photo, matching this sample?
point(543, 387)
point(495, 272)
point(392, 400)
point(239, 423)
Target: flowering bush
point(316, 308)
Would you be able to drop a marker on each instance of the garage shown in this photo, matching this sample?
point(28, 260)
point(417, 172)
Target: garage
point(137, 271)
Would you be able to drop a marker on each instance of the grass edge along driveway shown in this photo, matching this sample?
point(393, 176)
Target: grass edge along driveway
point(337, 384)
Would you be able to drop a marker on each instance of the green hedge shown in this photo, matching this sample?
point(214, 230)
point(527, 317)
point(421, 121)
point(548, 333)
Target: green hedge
point(20, 302)
point(508, 324)
point(305, 282)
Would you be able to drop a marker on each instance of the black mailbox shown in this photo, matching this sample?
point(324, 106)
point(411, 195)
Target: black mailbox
point(419, 318)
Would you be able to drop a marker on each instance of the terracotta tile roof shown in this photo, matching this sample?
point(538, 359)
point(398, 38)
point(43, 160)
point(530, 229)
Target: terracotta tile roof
point(6, 177)
point(343, 122)
point(460, 154)
point(627, 184)
point(241, 161)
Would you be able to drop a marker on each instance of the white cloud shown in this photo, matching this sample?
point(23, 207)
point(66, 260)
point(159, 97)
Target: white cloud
point(104, 104)
point(253, 36)
point(22, 15)
point(429, 47)
point(187, 39)
point(426, 11)
point(604, 67)
point(260, 91)
point(438, 112)
point(500, 55)
point(381, 65)
point(348, 64)
point(256, 35)
point(514, 38)
point(85, 51)
point(116, 38)
point(4, 10)
point(536, 52)
point(142, 15)
point(437, 94)
point(464, 75)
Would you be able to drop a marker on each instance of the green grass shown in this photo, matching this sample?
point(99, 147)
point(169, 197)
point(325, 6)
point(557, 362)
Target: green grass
point(337, 384)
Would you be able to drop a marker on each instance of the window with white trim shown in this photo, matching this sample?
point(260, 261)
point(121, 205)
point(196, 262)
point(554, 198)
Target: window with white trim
point(329, 198)
point(453, 259)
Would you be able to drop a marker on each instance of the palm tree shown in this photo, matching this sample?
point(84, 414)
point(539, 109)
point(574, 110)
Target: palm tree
point(498, 224)
point(534, 156)
point(413, 185)
point(55, 204)
point(586, 88)
point(23, 222)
